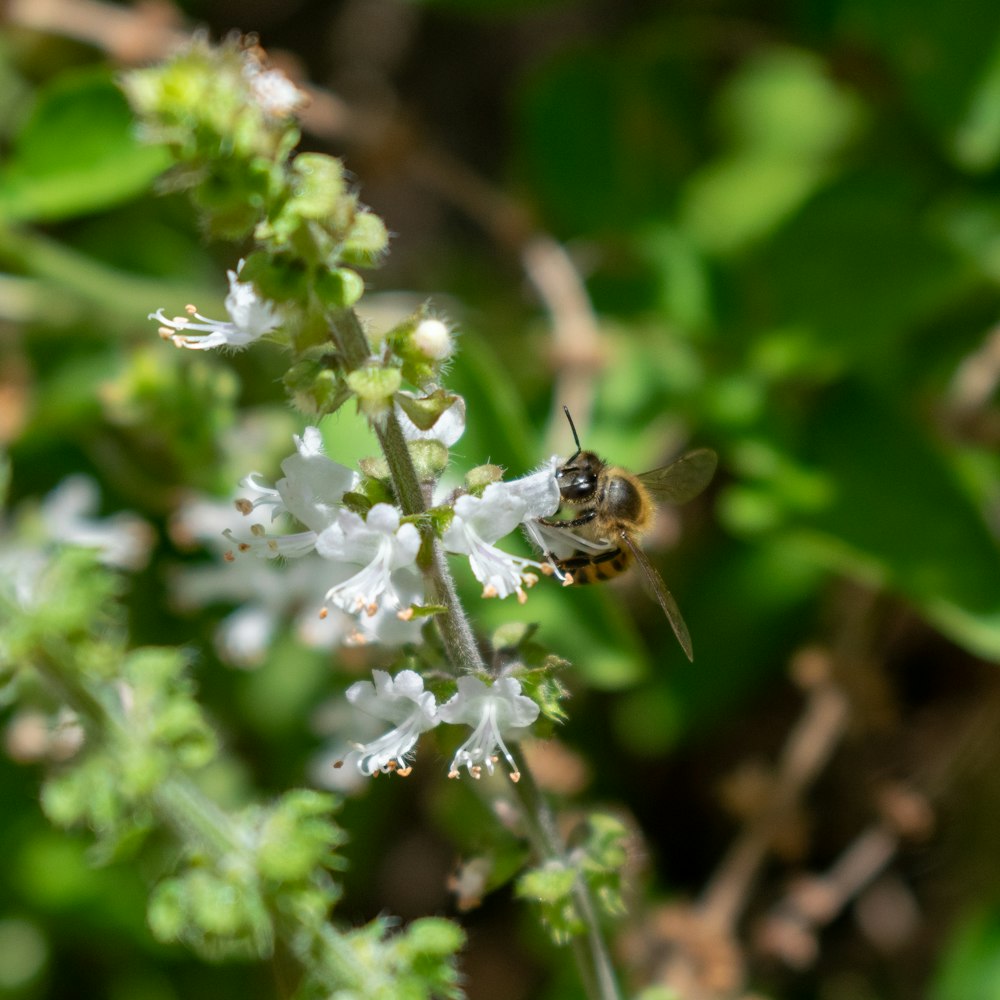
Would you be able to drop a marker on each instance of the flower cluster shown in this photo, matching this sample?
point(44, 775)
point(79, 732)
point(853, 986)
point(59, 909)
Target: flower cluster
point(496, 712)
point(366, 556)
point(371, 557)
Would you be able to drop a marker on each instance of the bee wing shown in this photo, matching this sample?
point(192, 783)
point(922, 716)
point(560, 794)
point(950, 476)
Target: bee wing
point(663, 595)
point(682, 480)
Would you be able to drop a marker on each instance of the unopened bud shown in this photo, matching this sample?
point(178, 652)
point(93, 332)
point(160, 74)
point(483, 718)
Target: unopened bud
point(433, 339)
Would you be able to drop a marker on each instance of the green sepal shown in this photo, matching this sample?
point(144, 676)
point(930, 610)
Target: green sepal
point(366, 242)
point(425, 411)
point(338, 287)
point(430, 459)
point(427, 610)
point(356, 502)
point(477, 479)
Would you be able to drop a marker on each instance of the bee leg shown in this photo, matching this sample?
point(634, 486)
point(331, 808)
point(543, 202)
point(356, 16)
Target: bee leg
point(575, 522)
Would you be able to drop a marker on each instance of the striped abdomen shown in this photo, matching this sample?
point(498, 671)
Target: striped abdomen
point(596, 567)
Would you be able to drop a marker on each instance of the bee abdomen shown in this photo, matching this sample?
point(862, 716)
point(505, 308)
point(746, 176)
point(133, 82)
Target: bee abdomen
point(595, 568)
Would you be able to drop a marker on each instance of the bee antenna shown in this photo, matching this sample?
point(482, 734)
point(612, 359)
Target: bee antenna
point(576, 437)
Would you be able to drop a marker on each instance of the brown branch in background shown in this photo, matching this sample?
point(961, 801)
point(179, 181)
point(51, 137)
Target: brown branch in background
point(790, 930)
point(807, 750)
point(130, 35)
point(151, 30)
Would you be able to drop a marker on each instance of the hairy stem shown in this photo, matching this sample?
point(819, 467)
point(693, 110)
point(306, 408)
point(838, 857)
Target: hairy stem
point(590, 953)
point(453, 624)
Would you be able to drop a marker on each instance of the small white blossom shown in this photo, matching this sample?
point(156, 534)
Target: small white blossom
point(494, 712)
point(480, 521)
point(310, 491)
point(402, 701)
point(380, 545)
point(122, 540)
point(272, 593)
point(270, 88)
point(250, 318)
point(447, 429)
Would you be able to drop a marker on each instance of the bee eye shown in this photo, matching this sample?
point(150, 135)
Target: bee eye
point(579, 486)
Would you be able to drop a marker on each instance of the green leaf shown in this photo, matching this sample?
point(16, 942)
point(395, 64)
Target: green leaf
point(898, 516)
point(77, 153)
point(970, 968)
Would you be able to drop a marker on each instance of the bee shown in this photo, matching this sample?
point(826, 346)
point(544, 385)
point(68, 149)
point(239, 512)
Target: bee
point(614, 507)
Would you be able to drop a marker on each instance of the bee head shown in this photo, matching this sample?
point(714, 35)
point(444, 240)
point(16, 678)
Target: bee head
point(577, 479)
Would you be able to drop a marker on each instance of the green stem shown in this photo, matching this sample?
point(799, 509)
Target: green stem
point(591, 956)
point(453, 624)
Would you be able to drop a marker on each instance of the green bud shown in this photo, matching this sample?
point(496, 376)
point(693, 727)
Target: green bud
point(552, 883)
point(433, 936)
point(277, 277)
point(317, 183)
point(315, 387)
point(430, 459)
point(339, 288)
point(375, 468)
point(481, 476)
point(375, 386)
point(367, 240)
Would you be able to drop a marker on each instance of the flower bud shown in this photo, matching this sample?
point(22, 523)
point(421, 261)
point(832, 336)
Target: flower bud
point(481, 476)
point(433, 339)
point(375, 386)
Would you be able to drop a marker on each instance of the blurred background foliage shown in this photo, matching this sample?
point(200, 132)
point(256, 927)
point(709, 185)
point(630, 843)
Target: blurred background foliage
point(787, 217)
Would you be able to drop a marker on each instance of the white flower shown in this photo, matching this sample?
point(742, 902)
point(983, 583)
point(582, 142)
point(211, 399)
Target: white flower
point(273, 92)
point(447, 429)
point(380, 545)
point(494, 712)
point(402, 701)
point(480, 521)
point(122, 540)
point(311, 491)
point(250, 318)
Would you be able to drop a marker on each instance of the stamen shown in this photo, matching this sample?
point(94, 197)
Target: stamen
point(404, 772)
point(522, 597)
point(405, 615)
point(228, 556)
point(515, 776)
point(257, 530)
point(243, 505)
point(323, 612)
point(190, 309)
point(489, 590)
point(568, 580)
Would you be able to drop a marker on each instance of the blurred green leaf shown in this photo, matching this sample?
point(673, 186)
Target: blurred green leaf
point(77, 152)
point(898, 513)
point(786, 122)
point(970, 966)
